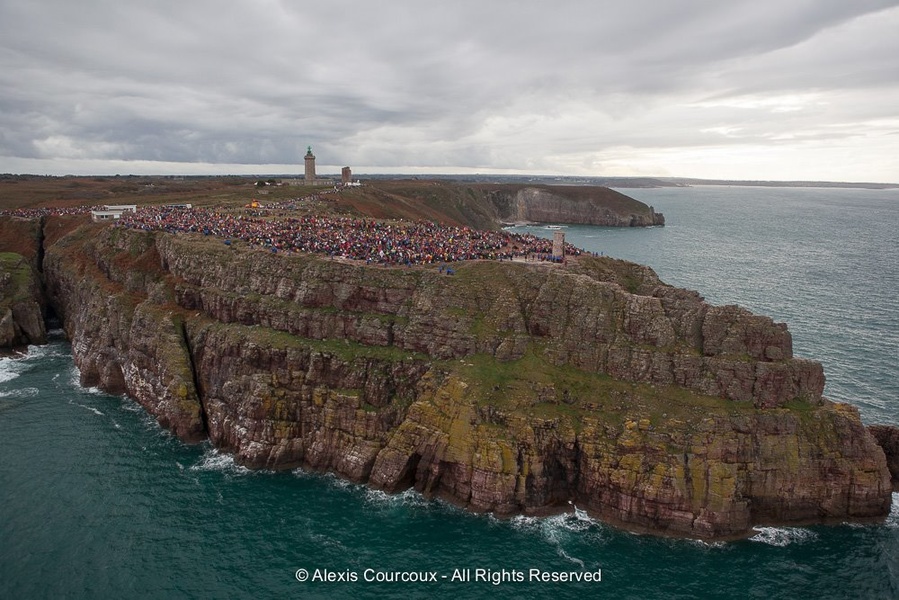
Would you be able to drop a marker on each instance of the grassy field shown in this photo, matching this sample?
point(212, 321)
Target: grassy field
point(28, 191)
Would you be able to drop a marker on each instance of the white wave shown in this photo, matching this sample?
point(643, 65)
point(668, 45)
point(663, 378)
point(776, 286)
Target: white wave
point(301, 473)
point(10, 368)
point(213, 460)
point(75, 377)
point(705, 544)
point(45, 351)
point(94, 391)
point(409, 497)
point(90, 408)
point(558, 529)
point(336, 481)
point(576, 521)
point(782, 536)
point(893, 518)
point(28, 392)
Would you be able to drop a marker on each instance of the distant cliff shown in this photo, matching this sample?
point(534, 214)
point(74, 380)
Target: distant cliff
point(576, 205)
point(506, 387)
point(488, 206)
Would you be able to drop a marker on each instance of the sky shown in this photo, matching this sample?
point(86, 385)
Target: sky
point(737, 89)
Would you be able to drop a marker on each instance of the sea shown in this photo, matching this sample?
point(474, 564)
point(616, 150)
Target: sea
point(98, 501)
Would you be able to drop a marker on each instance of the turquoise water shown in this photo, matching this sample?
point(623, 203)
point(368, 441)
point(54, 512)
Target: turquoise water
point(96, 501)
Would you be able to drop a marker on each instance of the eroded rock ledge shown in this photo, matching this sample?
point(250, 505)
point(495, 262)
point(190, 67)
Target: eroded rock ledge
point(507, 387)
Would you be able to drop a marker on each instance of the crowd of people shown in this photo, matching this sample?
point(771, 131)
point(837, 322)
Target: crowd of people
point(35, 213)
point(371, 241)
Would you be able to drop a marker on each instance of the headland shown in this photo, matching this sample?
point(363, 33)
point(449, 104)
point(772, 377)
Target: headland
point(512, 385)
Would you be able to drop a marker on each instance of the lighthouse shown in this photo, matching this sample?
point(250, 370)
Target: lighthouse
point(310, 165)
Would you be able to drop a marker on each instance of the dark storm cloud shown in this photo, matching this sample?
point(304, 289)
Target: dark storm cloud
point(570, 87)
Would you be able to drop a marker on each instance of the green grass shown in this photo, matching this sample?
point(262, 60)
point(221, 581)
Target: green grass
point(534, 386)
point(343, 349)
point(20, 279)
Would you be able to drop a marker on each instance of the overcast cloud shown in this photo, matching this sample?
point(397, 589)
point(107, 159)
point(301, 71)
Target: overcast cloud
point(749, 89)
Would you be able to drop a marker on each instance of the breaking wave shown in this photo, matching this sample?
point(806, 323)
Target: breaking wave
point(560, 529)
point(213, 460)
point(893, 518)
point(408, 498)
point(10, 368)
point(782, 536)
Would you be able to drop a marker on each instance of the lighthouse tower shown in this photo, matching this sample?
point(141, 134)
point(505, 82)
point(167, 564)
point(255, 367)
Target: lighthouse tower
point(310, 166)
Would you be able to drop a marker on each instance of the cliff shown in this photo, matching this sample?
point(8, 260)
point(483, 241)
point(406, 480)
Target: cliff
point(21, 304)
point(21, 299)
point(488, 206)
point(507, 387)
point(570, 204)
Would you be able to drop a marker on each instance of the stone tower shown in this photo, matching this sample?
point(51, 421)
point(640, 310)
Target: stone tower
point(346, 175)
point(310, 166)
point(559, 244)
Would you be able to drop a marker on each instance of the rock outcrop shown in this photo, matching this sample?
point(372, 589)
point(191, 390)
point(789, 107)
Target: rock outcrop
point(507, 387)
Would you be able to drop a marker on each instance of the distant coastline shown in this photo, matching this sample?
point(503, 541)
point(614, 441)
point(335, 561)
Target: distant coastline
point(638, 182)
point(610, 182)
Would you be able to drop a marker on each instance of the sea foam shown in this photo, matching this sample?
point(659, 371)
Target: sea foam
point(559, 529)
point(782, 536)
point(28, 392)
point(213, 460)
point(892, 520)
point(10, 368)
point(408, 498)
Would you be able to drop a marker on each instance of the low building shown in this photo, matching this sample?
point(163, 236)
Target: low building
point(98, 216)
point(112, 212)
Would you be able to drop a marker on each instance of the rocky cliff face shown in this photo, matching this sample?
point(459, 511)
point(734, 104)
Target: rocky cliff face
point(22, 306)
point(582, 205)
point(488, 206)
point(506, 387)
point(887, 436)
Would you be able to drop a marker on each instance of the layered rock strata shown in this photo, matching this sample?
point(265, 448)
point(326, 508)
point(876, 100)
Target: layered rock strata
point(507, 387)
